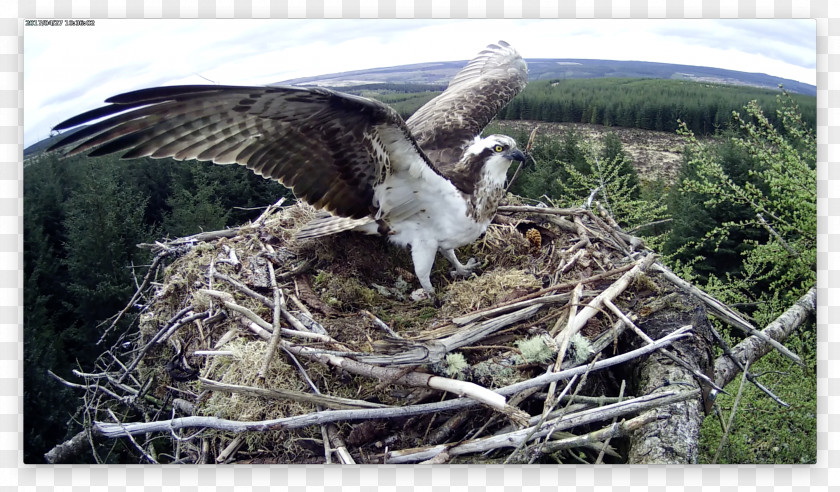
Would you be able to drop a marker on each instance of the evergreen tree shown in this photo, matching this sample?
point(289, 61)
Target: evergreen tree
point(195, 205)
point(104, 223)
point(774, 231)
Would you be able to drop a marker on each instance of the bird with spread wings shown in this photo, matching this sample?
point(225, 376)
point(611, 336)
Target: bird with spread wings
point(431, 182)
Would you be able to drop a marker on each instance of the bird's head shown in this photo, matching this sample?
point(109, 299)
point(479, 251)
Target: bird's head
point(495, 153)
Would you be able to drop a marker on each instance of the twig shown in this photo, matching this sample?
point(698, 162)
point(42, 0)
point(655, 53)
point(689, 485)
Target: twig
point(594, 306)
point(305, 264)
point(570, 284)
point(495, 311)
point(540, 210)
point(247, 290)
point(734, 360)
point(432, 351)
point(231, 448)
point(263, 324)
point(605, 434)
point(211, 353)
point(527, 153)
point(268, 211)
point(754, 347)
point(644, 336)
point(116, 430)
point(775, 234)
point(514, 438)
point(340, 446)
point(724, 313)
point(606, 444)
point(289, 394)
point(732, 413)
point(275, 337)
point(381, 324)
point(134, 442)
point(547, 407)
point(139, 292)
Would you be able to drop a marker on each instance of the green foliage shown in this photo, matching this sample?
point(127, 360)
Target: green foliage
point(566, 172)
point(695, 235)
point(195, 206)
point(763, 431)
point(746, 211)
point(104, 223)
point(776, 196)
point(83, 219)
point(651, 104)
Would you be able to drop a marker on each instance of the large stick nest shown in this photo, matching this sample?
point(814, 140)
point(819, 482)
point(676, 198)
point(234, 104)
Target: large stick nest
point(253, 347)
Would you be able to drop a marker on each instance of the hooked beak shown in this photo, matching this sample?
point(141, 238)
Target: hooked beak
point(516, 155)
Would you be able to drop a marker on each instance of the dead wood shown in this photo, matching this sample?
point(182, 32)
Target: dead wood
point(754, 347)
point(255, 347)
point(674, 437)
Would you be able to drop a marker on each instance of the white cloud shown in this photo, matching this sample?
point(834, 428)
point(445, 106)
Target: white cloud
point(69, 71)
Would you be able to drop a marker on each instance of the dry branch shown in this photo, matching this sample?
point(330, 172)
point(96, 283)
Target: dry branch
point(515, 438)
point(287, 394)
point(724, 313)
point(116, 430)
point(322, 336)
point(753, 348)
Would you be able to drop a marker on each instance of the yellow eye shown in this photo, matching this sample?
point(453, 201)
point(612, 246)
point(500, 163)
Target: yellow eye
point(498, 148)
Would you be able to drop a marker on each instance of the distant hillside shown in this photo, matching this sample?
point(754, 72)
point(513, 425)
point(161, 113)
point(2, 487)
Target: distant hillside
point(558, 68)
point(407, 87)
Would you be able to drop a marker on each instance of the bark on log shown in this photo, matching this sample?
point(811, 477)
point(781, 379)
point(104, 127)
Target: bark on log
point(673, 439)
point(69, 450)
point(753, 348)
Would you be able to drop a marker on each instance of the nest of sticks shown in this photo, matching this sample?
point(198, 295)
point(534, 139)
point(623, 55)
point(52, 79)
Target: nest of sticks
point(252, 347)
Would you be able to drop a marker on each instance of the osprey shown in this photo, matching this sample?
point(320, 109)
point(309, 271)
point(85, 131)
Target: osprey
point(430, 182)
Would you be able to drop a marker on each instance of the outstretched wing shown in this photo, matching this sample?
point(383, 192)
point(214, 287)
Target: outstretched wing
point(444, 126)
point(330, 148)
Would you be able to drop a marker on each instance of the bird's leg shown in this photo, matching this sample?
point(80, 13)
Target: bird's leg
point(423, 256)
point(460, 269)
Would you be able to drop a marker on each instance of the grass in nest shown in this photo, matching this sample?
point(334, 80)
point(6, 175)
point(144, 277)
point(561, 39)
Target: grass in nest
point(485, 290)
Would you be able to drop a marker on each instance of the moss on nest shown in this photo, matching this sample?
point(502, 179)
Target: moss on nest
point(482, 291)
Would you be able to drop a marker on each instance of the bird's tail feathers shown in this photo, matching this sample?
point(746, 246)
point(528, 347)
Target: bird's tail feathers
point(326, 224)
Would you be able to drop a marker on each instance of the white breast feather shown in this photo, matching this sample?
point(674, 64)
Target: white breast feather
point(418, 203)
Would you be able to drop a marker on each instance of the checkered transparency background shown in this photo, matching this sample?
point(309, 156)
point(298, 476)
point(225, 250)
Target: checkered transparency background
point(746, 477)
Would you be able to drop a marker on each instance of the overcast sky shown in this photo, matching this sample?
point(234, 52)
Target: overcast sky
point(68, 70)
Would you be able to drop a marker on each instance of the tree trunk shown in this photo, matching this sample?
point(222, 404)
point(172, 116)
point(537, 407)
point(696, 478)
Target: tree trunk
point(674, 436)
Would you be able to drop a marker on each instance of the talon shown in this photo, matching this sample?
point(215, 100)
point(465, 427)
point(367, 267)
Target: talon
point(420, 295)
point(466, 270)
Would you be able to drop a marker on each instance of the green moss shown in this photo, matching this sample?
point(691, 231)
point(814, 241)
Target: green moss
point(345, 292)
point(535, 350)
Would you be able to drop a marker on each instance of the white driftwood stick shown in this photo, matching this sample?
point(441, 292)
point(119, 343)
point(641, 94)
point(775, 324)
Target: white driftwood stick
point(595, 305)
point(470, 390)
point(724, 313)
point(517, 437)
point(109, 429)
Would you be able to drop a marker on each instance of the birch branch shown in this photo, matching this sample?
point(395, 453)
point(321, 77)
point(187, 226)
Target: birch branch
point(724, 313)
point(755, 347)
point(109, 429)
point(515, 438)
